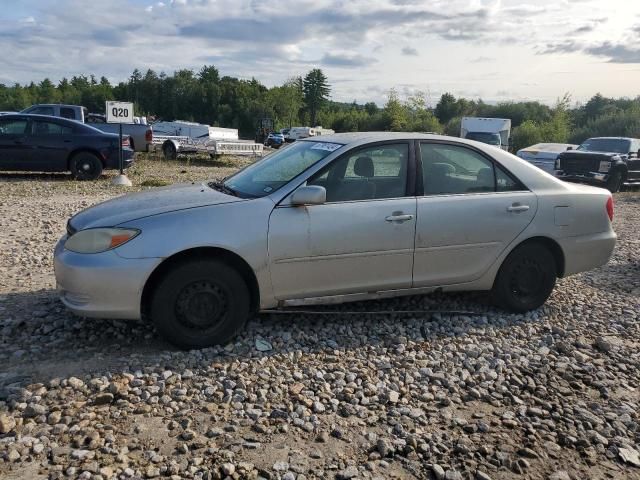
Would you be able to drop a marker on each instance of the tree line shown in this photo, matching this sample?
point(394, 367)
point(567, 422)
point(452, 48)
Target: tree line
point(207, 97)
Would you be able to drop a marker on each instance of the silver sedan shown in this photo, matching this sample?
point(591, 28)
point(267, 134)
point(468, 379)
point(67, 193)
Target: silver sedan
point(333, 219)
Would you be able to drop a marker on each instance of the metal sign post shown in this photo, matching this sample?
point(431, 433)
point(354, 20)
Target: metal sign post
point(120, 112)
point(121, 153)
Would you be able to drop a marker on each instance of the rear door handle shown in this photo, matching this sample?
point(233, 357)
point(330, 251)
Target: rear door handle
point(517, 208)
point(399, 217)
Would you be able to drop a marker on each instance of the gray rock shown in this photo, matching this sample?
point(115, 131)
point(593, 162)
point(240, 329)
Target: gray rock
point(347, 473)
point(438, 471)
point(281, 466)
point(228, 469)
point(559, 475)
point(34, 410)
point(263, 345)
point(453, 475)
point(385, 448)
point(630, 455)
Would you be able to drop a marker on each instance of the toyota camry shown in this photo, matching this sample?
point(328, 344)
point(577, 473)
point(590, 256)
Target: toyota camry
point(333, 219)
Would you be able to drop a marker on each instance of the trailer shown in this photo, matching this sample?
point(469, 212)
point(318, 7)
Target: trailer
point(181, 128)
point(181, 137)
point(172, 146)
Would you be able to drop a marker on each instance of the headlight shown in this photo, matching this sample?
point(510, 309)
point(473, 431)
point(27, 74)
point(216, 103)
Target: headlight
point(557, 164)
point(96, 240)
point(604, 166)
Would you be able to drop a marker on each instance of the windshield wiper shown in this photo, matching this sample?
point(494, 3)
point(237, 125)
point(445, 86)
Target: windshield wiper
point(221, 187)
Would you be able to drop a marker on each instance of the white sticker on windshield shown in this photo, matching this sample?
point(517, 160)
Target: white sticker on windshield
point(329, 147)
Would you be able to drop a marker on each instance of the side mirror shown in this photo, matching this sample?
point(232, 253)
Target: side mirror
point(569, 148)
point(309, 195)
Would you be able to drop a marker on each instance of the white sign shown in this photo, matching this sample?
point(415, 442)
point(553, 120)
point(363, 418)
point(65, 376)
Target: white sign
point(329, 147)
point(119, 112)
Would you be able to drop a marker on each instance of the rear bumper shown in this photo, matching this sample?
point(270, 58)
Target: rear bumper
point(112, 161)
point(587, 252)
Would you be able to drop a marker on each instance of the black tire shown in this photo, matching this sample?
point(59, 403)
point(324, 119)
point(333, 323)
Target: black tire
point(86, 166)
point(200, 303)
point(525, 279)
point(169, 151)
point(615, 182)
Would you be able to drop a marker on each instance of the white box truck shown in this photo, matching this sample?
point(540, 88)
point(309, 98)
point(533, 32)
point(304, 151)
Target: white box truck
point(493, 131)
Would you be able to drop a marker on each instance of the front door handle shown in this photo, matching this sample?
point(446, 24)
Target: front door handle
point(399, 217)
point(517, 208)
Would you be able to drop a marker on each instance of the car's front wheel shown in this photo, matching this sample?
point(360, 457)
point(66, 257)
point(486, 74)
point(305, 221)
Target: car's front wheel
point(615, 182)
point(86, 166)
point(526, 278)
point(200, 303)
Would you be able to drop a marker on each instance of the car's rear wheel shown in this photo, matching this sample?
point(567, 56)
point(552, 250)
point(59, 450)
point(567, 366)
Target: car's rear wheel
point(200, 303)
point(86, 166)
point(615, 182)
point(526, 278)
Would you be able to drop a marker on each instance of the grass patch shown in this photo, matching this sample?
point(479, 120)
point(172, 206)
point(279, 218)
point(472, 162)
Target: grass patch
point(155, 182)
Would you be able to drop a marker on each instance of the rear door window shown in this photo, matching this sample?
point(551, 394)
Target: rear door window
point(455, 170)
point(50, 128)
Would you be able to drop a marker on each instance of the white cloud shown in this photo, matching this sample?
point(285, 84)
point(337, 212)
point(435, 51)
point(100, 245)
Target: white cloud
point(383, 43)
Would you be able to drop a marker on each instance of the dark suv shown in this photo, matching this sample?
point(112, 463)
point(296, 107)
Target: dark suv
point(609, 162)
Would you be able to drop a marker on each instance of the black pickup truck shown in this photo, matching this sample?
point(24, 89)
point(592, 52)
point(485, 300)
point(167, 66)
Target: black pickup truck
point(609, 162)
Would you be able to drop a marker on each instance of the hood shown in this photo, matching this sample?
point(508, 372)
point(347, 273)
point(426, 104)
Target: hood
point(538, 155)
point(151, 202)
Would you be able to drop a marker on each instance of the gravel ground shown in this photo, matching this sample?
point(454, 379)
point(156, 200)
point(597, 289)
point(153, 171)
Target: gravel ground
point(553, 394)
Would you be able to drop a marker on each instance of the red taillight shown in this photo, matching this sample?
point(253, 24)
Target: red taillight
point(125, 141)
point(149, 136)
point(610, 208)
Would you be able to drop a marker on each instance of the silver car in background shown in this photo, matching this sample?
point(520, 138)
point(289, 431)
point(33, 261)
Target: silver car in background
point(333, 219)
point(544, 155)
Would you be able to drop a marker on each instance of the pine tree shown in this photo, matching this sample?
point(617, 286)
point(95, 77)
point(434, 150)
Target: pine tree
point(316, 92)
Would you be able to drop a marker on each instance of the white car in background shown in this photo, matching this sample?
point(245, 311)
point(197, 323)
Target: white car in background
point(543, 155)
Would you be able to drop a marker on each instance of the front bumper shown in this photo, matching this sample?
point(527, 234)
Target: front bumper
point(597, 179)
point(101, 285)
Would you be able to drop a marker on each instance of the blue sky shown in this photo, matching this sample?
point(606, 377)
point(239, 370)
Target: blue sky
point(493, 49)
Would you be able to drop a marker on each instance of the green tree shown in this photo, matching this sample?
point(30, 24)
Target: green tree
point(316, 92)
point(395, 112)
point(526, 134)
point(447, 108)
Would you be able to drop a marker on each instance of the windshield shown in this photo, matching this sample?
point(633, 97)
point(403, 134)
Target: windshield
point(613, 145)
point(484, 137)
point(269, 174)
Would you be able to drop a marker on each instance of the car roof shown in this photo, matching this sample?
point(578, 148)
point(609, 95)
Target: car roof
point(612, 138)
point(353, 138)
point(62, 120)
